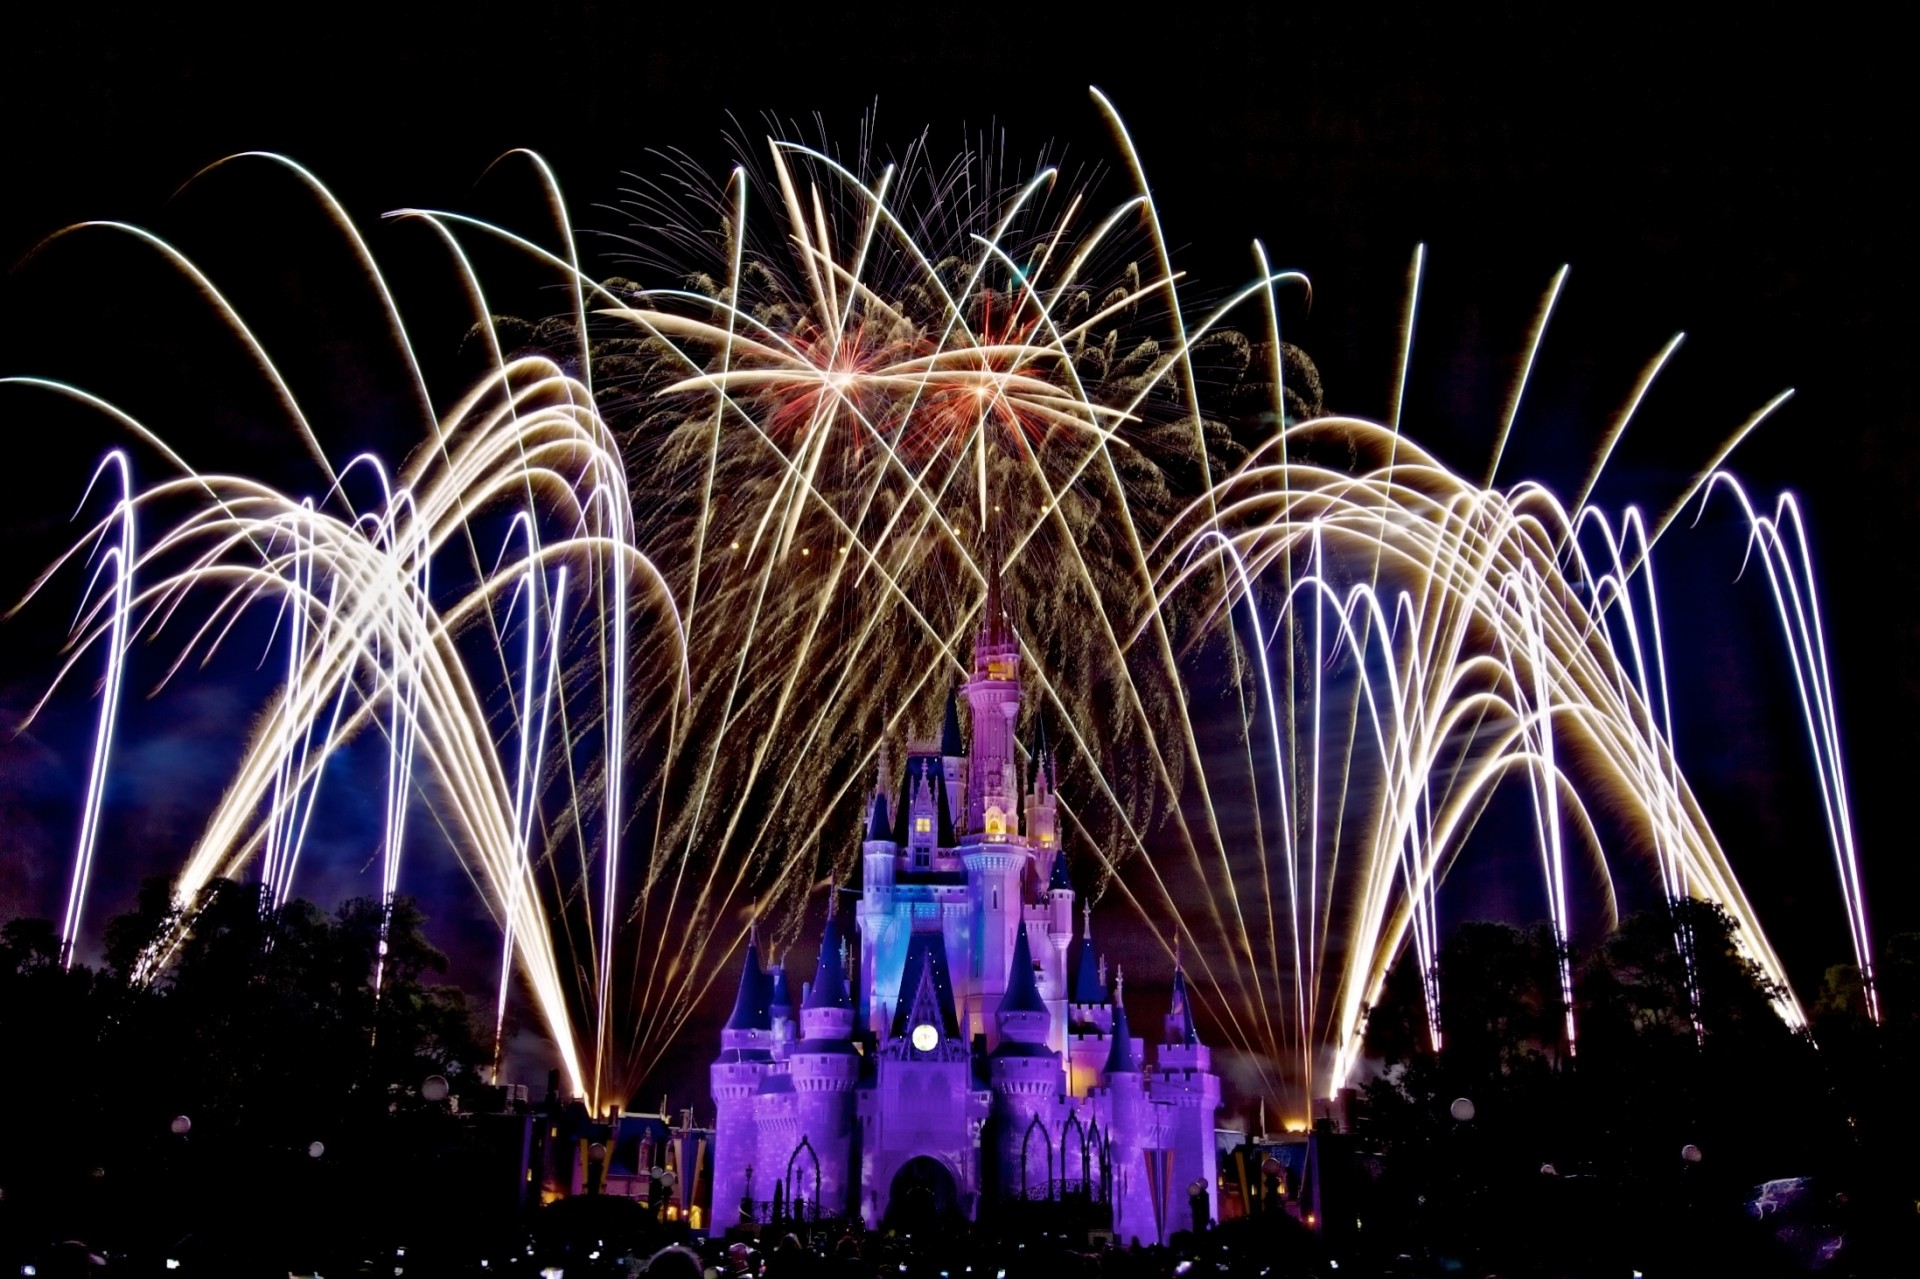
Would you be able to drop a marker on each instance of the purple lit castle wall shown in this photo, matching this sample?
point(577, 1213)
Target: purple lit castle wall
point(962, 1064)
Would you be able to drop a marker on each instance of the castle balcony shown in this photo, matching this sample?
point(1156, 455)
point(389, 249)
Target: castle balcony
point(1064, 1205)
point(1003, 856)
point(823, 1072)
point(801, 1215)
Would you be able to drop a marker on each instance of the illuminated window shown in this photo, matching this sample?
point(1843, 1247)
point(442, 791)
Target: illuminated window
point(923, 825)
point(996, 823)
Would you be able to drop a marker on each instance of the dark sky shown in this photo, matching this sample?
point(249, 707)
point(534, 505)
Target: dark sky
point(1742, 179)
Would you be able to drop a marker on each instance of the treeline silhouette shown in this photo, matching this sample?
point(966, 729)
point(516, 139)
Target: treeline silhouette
point(1684, 1126)
point(257, 1099)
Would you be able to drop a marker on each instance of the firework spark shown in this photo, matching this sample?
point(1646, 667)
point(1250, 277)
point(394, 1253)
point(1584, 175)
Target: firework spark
point(794, 461)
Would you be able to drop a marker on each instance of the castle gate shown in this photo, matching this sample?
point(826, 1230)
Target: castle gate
point(923, 1195)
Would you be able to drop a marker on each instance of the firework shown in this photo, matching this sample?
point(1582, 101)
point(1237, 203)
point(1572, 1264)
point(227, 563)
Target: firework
point(785, 468)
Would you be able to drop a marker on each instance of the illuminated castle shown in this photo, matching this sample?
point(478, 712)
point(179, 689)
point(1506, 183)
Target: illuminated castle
point(977, 1055)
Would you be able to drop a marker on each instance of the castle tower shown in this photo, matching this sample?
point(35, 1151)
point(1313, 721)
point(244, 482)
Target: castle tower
point(1024, 1075)
point(992, 851)
point(825, 1069)
point(878, 854)
point(993, 696)
point(1043, 827)
point(1131, 1128)
point(745, 1060)
point(1089, 1013)
point(777, 1135)
point(780, 1013)
point(1183, 1083)
point(1059, 935)
point(775, 1107)
point(953, 760)
point(995, 877)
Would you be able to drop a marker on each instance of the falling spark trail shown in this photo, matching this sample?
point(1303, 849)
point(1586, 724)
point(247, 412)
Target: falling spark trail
point(115, 563)
point(776, 553)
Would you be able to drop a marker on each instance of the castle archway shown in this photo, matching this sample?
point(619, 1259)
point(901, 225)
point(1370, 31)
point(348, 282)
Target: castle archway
point(922, 1195)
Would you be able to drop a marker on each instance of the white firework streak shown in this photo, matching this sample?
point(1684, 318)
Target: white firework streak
point(1487, 644)
point(353, 595)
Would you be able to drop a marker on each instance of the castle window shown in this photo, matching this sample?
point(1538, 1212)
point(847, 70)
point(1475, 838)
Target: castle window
point(996, 823)
point(923, 825)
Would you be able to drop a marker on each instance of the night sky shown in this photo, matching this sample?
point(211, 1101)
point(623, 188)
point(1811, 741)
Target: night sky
point(1745, 181)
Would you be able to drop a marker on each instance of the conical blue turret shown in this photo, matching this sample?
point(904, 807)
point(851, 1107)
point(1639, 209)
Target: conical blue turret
point(1058, 882)
point(829, 988)
point(1180, 1029)
point(879, 824)
point(1087, 986)
point(951, 744)
point(1122, 1057)
point(928, 979)
point(1023, 993)
point(944, 826)
point(752, 1006)
point(993, 621)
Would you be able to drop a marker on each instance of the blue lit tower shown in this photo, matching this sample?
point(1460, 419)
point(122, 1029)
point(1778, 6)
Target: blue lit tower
point(746, 1057)
point(998, 862)
point(1089, 1013)
point(1025, 1076)
point(825, 1067)
point(775, 1107)
point(1183, 1081)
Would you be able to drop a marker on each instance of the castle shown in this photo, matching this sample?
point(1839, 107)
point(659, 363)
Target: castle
point(977, 1056)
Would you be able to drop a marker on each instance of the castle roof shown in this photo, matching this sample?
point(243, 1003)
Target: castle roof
point(879, 824)
point(752, 1006)
point(1086, 975)
point(1058, 882)
point(829, 988)
point(1042, 753)
point(926, 975)
point(932, 769)
point(994, 630)
point(943, 826)
point(782, 996)
point(1122, 1058)
point(1023, 993)
point(950, 740)
point(1180, 1028)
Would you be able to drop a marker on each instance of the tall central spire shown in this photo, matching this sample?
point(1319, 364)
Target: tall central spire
point(994, 632)
point(993, 696)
